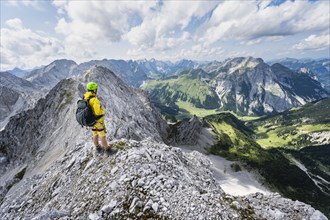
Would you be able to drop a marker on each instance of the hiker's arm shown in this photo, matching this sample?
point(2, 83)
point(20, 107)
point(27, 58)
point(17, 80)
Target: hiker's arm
point(98, 110)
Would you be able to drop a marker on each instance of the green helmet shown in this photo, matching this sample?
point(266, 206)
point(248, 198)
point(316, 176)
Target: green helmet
point(91, 86)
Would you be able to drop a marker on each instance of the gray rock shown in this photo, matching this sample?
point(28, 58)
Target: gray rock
point(94, 216)
point(155, 207)
point(114, 170)
point(109, 207)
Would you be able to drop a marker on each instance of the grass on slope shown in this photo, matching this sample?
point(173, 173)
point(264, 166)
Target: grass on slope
point(234, 138)
point(187, 110)
point(187, 88)
point(235, 142)
point(288, 136)
point(294, 128)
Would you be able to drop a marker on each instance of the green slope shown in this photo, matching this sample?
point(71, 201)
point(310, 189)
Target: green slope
point(235, 142)
point(294, 128)
point(173, 94)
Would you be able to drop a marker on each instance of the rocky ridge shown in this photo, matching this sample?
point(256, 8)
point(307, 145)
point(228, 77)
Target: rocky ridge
point(131, 114)
point(145, 180)
point(34, 132)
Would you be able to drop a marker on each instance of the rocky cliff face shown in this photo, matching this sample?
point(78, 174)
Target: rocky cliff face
point(50, 170)
point(320, 68)
point(16, 95)
point(249, 86)
point(192, 133)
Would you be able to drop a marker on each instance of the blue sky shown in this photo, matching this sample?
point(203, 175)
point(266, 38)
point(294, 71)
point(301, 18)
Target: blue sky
point(35, 33)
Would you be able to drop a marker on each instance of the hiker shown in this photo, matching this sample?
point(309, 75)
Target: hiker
point(98, 128)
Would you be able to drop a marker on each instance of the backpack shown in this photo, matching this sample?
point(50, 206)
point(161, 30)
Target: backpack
point(84, 113)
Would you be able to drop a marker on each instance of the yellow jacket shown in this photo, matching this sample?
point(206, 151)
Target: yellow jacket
point(95, 105)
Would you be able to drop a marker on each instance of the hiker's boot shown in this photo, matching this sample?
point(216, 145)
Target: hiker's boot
point(99, 149)
point(111, 151)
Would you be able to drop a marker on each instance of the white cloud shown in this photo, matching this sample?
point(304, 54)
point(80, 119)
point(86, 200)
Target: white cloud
point(262, 40)
point(201, 52)
point(36, 4)
point(144, 24)
point(95, 22)
point(247, 20)
point(61, 5)
point(158, 27)
point(314, 42)
point(15, 23)
point(172, 18)
point(21, 47)
point(241, 53)
point(165, 30)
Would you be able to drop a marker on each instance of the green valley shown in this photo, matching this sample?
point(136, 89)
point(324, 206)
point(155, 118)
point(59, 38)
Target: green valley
point(302, 175)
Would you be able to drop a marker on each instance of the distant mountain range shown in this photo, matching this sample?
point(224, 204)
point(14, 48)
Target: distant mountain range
point(48, 76)
point(318, 69)
point(136, 72)
point(16, 95)
point(18, 72)
point(245, 86)
point(161, 69)
point(129, 71)
point(132, 72)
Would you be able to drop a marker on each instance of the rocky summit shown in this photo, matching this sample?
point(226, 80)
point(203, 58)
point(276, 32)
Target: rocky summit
point(49, 168)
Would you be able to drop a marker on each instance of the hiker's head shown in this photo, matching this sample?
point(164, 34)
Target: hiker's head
point(91, 86)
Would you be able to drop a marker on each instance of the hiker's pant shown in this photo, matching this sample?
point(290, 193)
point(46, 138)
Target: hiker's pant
point(99, 129)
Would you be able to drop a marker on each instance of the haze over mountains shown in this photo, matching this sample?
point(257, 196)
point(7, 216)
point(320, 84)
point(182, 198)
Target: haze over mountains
point(49, 168)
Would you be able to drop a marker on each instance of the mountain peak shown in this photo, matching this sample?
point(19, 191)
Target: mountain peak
point(234, 64)
point(63, 61)
point(48, 76)
point(99, 74)
point(97, 69)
